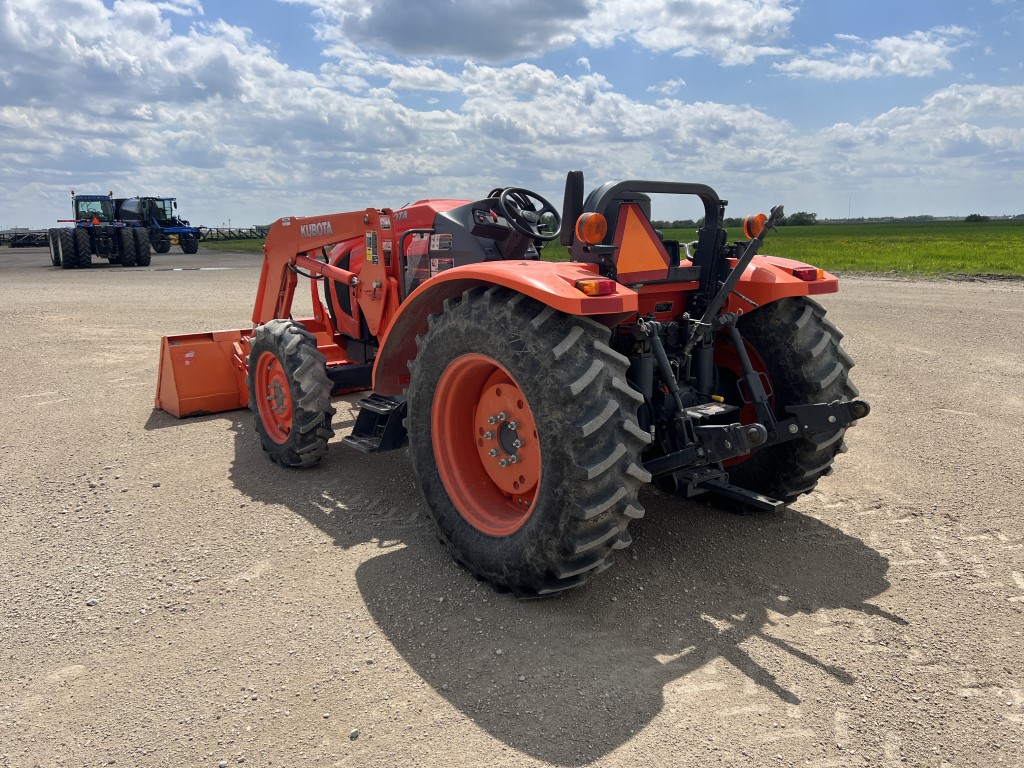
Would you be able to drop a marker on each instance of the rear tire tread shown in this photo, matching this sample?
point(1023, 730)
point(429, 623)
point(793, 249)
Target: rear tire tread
point(807, 365)
point(590, 476)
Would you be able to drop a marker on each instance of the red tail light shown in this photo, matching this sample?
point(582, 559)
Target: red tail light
point(810, 274)
point(597, 287)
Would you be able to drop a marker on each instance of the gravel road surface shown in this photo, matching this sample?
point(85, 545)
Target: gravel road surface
point(168, 597)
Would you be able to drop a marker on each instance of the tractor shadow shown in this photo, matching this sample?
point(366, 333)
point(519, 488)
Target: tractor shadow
point(570, 679)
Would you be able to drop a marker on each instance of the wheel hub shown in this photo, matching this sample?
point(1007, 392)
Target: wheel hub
point(276, 396)
point(506, 440)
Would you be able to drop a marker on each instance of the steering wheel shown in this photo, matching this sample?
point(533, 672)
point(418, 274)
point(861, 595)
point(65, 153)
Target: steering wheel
point(517, 206)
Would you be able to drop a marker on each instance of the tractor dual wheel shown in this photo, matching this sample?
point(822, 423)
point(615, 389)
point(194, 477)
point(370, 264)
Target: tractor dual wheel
point(143, 251)
point(66, 248)
point(126, 245)
point(524, 439)
point(83, 247)
point(797, 352)
point(290, 393)
point(53, 242)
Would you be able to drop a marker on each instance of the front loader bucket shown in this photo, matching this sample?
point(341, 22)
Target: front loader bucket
point(203, 373)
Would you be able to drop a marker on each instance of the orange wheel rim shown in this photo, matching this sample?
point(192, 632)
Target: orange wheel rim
point(485, 445)
point(274, 397)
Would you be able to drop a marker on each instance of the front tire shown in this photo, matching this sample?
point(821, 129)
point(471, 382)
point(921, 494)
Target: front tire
point(160, 242)
point(290, 393)
point(798, 350)
point(524, 439)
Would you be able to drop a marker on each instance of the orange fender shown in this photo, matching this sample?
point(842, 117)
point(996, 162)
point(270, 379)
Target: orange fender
point(770, 278)
point(550, 283)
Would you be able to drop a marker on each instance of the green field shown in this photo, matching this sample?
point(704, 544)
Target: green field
point(931, 248)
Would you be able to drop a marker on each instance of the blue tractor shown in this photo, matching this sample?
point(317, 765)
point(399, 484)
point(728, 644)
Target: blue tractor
point(95, 231)
point(159, 217)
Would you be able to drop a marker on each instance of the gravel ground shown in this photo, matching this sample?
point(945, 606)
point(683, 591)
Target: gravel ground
point(168, 597)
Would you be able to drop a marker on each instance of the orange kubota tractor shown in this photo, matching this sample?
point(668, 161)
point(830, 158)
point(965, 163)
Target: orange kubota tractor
point(537, 397)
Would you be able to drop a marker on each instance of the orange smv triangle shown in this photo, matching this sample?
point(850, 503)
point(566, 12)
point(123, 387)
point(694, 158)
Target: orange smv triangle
point(641, 257)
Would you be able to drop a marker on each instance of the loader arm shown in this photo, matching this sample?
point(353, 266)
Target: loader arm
point(289, 241)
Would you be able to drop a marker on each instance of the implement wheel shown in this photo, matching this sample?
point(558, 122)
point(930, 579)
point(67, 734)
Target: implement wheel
point(290, 393)
point(189, 244)
point(523, 436)
point(796, 350)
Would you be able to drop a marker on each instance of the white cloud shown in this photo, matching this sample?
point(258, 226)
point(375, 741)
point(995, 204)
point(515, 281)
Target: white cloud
point(953, 149)
point(918, 54)
point(733, 31)
point(667, 87)
point(214, 117)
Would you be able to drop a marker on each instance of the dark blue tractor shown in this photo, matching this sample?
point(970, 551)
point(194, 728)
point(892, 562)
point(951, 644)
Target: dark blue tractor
point(96, 232)
point(158, 215)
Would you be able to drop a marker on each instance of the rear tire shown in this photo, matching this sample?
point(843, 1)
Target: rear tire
point(66, 246)
point(126, 240)
point(189, 245)
point(290, 393)
point(83, 248)
point(799, 351)
point(501, 376)
point(143, 254)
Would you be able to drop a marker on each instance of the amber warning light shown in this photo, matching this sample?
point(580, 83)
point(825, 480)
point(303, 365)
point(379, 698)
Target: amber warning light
point(591, 228)
point(754, 225)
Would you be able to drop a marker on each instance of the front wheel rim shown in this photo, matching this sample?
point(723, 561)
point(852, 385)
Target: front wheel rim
point(274, 397)
point(485, 444)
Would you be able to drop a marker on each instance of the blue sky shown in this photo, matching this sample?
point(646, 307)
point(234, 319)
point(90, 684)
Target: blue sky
point(251, 111)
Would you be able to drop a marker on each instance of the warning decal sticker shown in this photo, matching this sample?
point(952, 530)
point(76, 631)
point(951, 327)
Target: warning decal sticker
point(440, 265)
point(440, 242)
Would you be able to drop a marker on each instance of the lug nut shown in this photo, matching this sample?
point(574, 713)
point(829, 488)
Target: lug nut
point(503, 463)
point(513, 426)
point(488, 435)
point(493, 452)
point(517, 443)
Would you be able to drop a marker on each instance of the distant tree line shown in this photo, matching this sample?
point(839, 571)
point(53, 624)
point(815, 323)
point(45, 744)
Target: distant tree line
point(803, 219)
point(799, 219)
